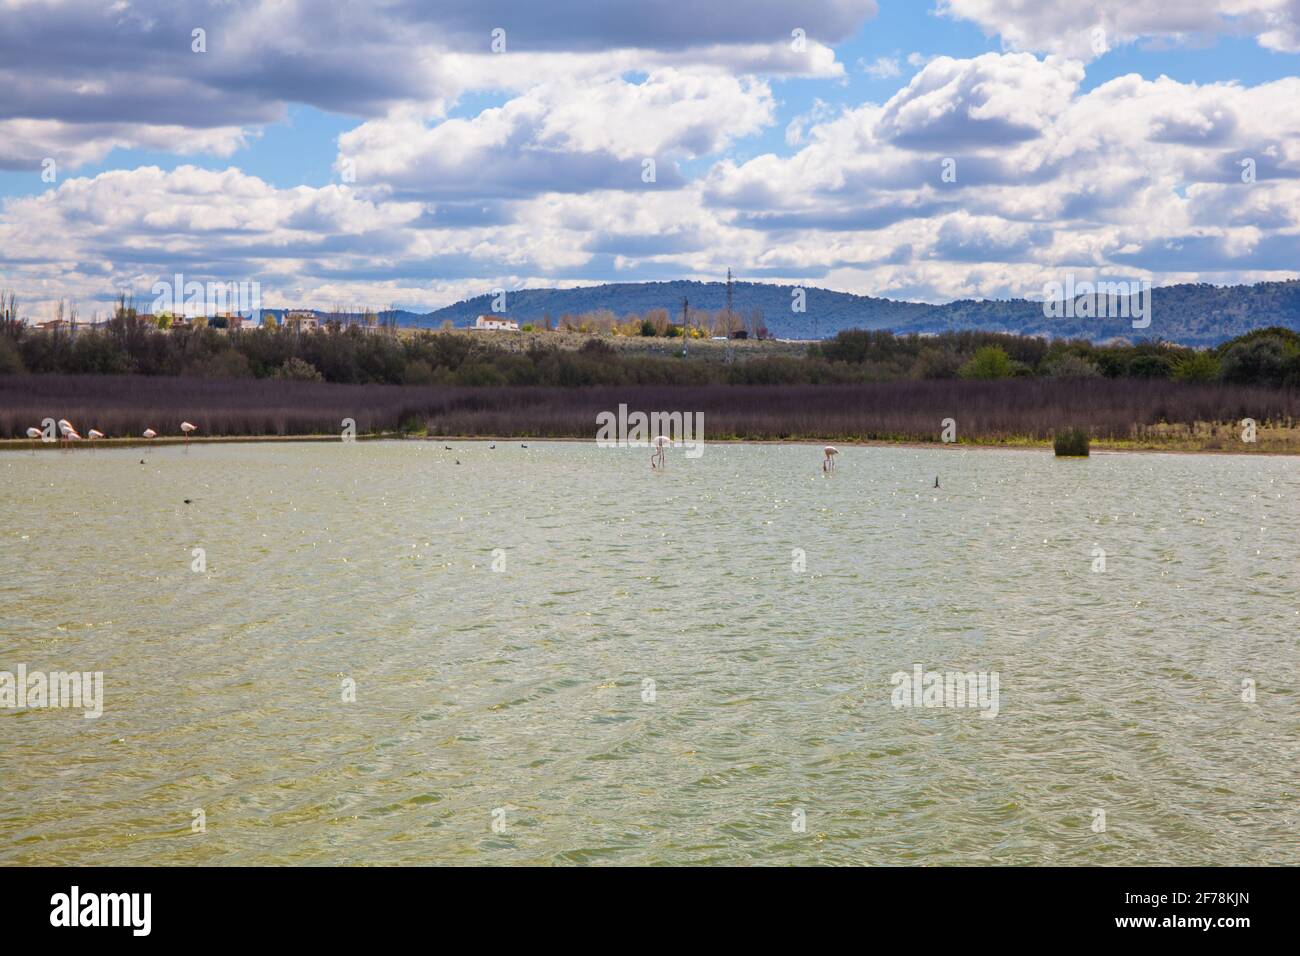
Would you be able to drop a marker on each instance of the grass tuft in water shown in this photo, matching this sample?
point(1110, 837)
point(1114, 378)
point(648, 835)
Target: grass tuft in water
point(1071, 443)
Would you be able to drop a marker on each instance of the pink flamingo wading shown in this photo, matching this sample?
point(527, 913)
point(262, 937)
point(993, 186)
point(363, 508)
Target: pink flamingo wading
point(660, 456)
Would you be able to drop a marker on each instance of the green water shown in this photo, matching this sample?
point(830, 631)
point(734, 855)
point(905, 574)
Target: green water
point(524, 690)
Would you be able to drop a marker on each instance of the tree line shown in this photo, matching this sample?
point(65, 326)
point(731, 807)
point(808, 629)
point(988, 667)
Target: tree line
point(130, 344)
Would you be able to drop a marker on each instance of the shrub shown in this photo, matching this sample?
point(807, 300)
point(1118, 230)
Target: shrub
point(296, 370)
point(1070, 366)
point(227, 364)
point(936, 364)
point(11, 361)
point(1255, 361)
point(1150, 366)
point(1071, 442)
point(989, 361)
point(1197, 367)
point(414, 425)
point(417, 372)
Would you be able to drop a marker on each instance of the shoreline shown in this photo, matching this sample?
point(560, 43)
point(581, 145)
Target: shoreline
point(1099, 446)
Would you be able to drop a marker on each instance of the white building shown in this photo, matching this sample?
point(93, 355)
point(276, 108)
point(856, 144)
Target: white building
point(492, 323)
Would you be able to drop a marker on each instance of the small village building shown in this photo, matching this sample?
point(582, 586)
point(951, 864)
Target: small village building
point(492, 323)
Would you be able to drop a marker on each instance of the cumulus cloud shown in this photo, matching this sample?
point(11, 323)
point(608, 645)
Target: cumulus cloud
point(990, 100)
point(882, 67)
point(561, 137)
point(980, 177)
point(1071, 28)
point(93, 236)
point(1043, 178)
point(95, 76)
point(656, 24)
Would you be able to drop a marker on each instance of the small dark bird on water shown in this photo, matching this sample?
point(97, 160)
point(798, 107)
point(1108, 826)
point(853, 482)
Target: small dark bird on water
point(458, 461)
point(522, 445)
point(446, 448)
point(936, 481)
point(142, 461)
point(187, 501)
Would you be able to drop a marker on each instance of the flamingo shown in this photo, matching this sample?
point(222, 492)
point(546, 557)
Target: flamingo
point(186, 427)
point(33, 434)
point(93, 434)
point(67, 431)
point(150, 433)
point(661, 443)
point(828, 460)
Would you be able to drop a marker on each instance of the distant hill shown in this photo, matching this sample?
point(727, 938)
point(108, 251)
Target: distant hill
point(827, 311)
point(1190, 314)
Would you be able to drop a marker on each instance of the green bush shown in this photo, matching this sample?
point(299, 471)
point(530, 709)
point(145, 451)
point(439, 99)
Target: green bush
point(1071, 366)
point(937, 363)
point(11, 361)
point(1071, 443)
point(414, 425)
point(1260, 360)
point(1150, 365)
point(1197, 367)
point(296, 370)
point(417, 372)
point(228, 364)
point(989, 361)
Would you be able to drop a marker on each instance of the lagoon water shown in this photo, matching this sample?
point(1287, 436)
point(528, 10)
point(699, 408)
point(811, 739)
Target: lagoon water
point(525, 690)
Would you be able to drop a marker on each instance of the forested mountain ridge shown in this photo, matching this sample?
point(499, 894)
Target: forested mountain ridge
point(1190, 314)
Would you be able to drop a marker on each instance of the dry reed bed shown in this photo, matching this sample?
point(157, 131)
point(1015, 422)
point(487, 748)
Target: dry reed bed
point(1006, 410)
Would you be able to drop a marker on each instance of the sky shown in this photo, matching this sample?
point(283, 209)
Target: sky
point(414, 154)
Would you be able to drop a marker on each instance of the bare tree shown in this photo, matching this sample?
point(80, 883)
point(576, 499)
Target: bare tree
point(659, 319)
point(10, 323)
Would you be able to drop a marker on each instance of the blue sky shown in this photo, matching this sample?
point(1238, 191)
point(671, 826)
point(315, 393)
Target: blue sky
point(337, 156)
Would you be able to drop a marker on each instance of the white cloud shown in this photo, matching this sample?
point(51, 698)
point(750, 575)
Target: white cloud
point(882, 67)
point(561, 136)
point(989, 99)
point(1047, 178)
point(1136, 175)
point(1067, 27)
point(92, 76)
